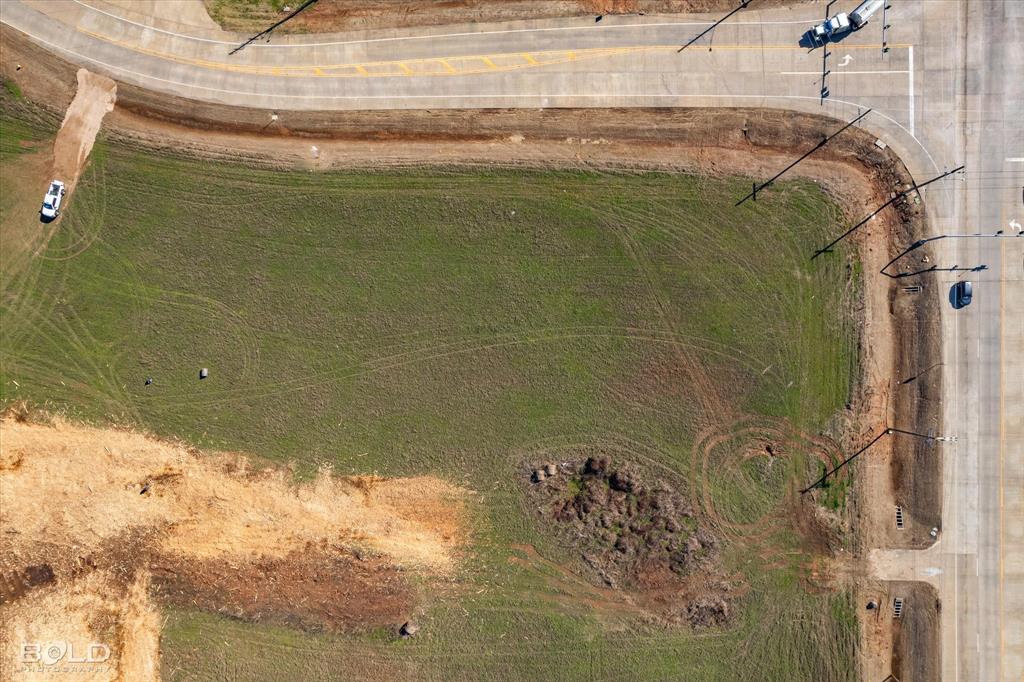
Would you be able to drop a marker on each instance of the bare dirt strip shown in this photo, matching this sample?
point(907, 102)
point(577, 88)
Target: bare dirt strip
point(328, 16)
point(94, 97)
point(899, 332)
point(100, 526)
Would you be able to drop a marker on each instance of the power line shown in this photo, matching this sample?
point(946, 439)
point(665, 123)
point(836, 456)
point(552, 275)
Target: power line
point(743, 5)
point(899, 195)
point(758, 188)
point(887, 432)
point(267, 31)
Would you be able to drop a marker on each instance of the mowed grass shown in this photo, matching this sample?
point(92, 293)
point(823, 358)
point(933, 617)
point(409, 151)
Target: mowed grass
point(245, 15)
point(460, 323)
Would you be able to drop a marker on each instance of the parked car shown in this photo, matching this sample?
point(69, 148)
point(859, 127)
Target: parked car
point(51, 202)
point(963, 292)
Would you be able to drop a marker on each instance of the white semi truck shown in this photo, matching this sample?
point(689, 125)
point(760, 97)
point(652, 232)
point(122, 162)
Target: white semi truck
point(843, 22)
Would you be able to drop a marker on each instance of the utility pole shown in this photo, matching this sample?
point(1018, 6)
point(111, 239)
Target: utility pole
point(268, 31)
point(899, 195)
point(889, 431)
point(758, 188)
point(743, 5)
point(998, 234)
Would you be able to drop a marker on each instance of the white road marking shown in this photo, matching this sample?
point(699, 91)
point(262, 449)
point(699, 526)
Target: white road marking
point(846, 60)
point(587, 27)
point(1014, 159)
point(839, 73)
point(114, 67)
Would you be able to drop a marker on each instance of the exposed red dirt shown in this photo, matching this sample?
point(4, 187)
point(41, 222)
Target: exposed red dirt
point(212, 531)
point(328, 16)
point(313, 589)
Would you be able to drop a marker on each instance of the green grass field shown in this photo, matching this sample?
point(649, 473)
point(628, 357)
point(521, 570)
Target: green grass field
point(456, 322)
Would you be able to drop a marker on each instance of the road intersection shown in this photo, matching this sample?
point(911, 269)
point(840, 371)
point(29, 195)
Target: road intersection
point(948, 91)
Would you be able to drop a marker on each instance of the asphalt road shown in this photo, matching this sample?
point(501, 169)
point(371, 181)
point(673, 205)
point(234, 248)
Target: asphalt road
point(949, 91)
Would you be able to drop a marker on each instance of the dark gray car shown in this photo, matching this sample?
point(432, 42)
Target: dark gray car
point(962, 294)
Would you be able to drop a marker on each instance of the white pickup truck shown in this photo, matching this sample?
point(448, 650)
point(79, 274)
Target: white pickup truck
point(843, 22)
point(51, 202)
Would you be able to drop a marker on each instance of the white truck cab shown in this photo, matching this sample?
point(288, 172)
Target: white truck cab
point(829, 30)
point(843, 22)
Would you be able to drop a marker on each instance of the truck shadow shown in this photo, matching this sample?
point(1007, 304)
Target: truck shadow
point(807, 40)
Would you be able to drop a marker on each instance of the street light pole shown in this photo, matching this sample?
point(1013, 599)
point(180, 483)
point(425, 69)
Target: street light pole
point(889, 431)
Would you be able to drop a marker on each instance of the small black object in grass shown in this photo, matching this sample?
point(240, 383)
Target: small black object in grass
point(149, 381)
point(203, 373)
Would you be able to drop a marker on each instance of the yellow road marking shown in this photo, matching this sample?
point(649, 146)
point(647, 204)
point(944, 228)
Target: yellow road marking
point(400, 68)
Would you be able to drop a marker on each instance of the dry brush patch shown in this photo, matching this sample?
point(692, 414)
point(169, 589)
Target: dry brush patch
point(656, 540)
point(92, 516)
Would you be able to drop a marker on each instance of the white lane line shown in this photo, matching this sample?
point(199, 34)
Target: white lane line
point(1014, 159)
point(589, 27)
point(910, 57)
point(114, 67)
point(838, 73)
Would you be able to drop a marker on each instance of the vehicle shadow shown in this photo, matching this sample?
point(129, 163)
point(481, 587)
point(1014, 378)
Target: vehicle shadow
point(954, 300)
point(43, 219)
point(808, 43)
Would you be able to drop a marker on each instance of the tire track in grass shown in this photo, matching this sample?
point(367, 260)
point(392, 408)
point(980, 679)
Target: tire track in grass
point(453, 349)
point(718, 450)
point(95, 220)
point(81, 361)
point(713, 406)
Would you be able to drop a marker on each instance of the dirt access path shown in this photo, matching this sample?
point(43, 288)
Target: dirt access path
point(94, 98)
point(102, 525)
point(22, 233)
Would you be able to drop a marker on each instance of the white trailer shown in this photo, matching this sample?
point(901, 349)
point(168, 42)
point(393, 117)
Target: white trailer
point(860, 16)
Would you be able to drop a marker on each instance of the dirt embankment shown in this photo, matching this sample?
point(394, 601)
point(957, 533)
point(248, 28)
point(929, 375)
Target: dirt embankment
point(101, 526)
point(906, 647)
point(329, 16)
